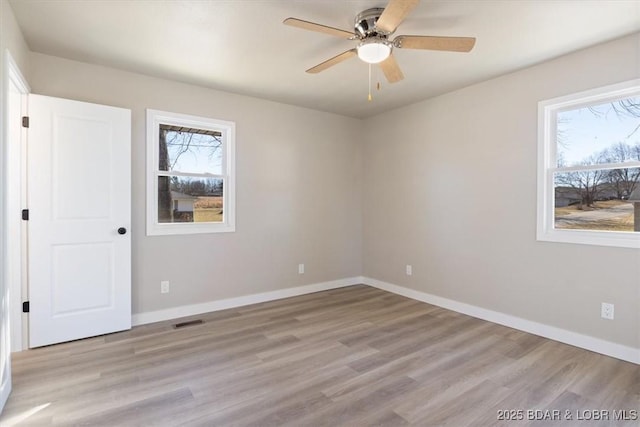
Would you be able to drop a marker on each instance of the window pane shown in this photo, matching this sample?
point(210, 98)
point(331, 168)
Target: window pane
point(603, 133)
point(596, 199)
point(188, 199)
point(190, 150)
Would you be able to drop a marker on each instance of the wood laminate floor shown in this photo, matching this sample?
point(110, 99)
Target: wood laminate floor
point(351, 356)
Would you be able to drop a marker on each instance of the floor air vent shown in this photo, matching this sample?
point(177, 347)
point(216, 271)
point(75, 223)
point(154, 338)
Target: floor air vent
point(189, 323)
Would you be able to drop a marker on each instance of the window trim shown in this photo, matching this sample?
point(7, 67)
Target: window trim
point(154, 119)
point(547, 130)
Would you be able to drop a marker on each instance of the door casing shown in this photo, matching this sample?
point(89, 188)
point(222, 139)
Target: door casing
point(15, 89)
point(16, 249)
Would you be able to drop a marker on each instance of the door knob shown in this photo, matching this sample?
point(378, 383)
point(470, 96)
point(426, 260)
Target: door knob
point(122, 230)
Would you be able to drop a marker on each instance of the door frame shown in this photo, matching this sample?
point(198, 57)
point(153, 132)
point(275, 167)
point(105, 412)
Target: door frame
point(12, 78)
point(15, 253)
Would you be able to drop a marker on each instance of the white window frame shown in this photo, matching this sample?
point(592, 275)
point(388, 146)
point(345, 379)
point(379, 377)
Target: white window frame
point(547, 165)
point(154, 119)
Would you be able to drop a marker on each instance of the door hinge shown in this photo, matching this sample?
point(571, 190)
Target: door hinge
point(25, 121)
point(25, 307)
point(25, 214)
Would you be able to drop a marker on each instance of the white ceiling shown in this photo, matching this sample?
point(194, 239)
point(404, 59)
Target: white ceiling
point(242, 46)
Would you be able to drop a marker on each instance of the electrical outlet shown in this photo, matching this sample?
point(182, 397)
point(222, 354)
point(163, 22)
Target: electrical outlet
point(300, 268)
point(164, 287)
point(607, 311)
point(409, 270)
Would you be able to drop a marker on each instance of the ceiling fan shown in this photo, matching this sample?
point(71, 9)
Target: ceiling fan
point(372, 29)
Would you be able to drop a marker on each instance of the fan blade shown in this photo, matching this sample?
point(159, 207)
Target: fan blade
point(312, 26)
point(391, 70)
point(394, 14)
point(452, 44)
point(333, 61)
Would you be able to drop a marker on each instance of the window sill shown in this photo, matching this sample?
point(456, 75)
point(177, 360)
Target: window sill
point(171, 229)
point(599, 238)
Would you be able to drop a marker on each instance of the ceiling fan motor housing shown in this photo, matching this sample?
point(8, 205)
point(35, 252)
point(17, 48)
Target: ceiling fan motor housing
point(374, 46)
point(365, 23)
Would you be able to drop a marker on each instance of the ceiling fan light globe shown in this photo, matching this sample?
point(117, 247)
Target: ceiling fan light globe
point(373, 52)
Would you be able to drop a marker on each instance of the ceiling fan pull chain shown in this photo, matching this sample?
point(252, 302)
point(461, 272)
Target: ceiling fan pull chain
point(369, 98)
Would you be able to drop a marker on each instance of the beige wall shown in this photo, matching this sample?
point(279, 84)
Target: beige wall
point(298, 189)
point(450, 187)
point(11, 38)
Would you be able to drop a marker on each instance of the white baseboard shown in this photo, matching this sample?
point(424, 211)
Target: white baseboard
point(207, 307)
point(597, 345)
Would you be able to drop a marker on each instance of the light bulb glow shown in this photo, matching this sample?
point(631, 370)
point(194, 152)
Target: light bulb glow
point(373, 51)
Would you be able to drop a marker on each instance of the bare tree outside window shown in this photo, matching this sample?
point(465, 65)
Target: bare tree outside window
point(164, 190)
point(623, 181)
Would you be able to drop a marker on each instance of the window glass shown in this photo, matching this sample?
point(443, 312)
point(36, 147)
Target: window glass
point(602, 133)
point(595, 199)
point(190, 150)
point(191, 199)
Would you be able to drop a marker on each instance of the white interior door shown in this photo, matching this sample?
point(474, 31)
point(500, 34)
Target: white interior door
point(79, 204)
